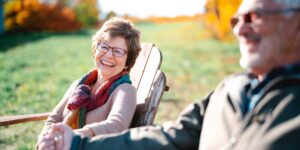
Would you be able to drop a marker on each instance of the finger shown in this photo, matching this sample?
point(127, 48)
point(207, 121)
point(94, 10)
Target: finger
point(45, 133)
point(45, 142)
point(58, 126)
point(45, 139)
point(41, 136)
point(49, 145)
point(66, 132)
point(49, 142)
point(52, 130)
point(59, 141)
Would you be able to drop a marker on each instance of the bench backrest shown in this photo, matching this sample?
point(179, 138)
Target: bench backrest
point(150, 82)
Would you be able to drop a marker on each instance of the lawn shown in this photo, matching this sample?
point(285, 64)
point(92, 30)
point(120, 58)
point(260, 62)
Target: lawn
point(37, 68)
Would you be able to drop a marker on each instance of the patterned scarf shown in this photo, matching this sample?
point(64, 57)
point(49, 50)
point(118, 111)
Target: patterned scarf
point(80, 101)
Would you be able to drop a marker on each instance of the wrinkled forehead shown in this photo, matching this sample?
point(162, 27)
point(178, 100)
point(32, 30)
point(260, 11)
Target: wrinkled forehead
point(250, 5)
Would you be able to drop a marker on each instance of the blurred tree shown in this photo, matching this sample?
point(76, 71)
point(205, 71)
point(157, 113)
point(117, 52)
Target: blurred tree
point(87, 12)
point(217, 17)
point(110, 15)
point(1, 16)
point(31, 15)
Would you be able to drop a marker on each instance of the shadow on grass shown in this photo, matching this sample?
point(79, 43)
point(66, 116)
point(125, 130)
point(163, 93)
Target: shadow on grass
point(10, 40)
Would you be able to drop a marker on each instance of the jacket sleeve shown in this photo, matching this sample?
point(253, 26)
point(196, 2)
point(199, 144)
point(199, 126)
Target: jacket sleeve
point(182, 134)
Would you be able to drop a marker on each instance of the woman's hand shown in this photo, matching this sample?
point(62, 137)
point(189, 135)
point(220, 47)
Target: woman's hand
point(51, 140)
point(58, 138)
point(67, 136)
point(85, 131)
point(46, 142)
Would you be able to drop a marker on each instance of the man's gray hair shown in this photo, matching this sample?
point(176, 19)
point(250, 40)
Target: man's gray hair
point(289, 4)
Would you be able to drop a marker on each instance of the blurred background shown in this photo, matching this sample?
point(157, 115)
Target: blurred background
point(46, 44)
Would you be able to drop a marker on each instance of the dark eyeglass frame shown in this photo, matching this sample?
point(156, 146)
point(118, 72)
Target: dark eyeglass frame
point(116, 51)
point(251, 16)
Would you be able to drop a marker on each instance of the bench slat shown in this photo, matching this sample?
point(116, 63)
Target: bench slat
point(9, 120)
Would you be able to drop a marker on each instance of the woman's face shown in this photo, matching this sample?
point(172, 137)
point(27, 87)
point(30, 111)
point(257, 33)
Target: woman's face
point(110, 57)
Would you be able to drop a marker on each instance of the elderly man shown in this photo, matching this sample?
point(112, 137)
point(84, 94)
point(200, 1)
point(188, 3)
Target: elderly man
point(258, 109)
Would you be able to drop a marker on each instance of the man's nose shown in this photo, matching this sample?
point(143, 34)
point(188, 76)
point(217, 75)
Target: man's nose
point(242, 28)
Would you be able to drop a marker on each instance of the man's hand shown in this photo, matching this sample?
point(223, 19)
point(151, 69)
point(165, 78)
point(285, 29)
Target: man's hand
point(67, 134)
point(59, 137)
point(46, 142)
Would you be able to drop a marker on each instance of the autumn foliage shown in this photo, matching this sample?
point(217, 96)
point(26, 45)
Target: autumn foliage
point(217, 17)
point(30, 15)
point(87, 12)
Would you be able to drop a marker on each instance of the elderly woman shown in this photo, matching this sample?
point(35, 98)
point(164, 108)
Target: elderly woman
point(103, 100)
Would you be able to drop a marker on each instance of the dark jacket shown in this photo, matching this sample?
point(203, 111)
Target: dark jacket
point(223, 120)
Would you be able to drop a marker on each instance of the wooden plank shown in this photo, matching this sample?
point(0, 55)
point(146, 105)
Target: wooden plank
point(154, 97)
point(9, 120)
point(145, 112)
point(146, 109)
point(137, 70)
point(154, 62)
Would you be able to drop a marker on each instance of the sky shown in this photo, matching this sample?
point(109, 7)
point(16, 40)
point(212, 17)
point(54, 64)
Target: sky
point(146, 8)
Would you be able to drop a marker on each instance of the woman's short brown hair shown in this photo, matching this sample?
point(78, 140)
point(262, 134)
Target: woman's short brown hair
point(118, 27)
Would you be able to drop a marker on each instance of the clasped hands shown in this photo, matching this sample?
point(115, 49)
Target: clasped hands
point(59, 137)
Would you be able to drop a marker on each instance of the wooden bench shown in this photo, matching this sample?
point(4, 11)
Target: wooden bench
point(146, 76)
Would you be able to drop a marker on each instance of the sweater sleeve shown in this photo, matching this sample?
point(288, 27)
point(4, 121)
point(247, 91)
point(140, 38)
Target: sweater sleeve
point(121, 113)
point(57, 113)
point(182, 134)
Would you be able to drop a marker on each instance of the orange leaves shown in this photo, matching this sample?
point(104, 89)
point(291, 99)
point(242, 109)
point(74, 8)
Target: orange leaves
point(31, 4)
point(69, 14)
point(11, 7)
point(18, 6)
point(217, 17)
point(22, 16)
point(30, 15)
point(9, 24)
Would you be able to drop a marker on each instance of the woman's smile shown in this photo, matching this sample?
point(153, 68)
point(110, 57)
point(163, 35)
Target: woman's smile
point(107, 63)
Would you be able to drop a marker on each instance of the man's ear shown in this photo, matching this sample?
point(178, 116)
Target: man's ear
point(298, 25)
point(297, 33)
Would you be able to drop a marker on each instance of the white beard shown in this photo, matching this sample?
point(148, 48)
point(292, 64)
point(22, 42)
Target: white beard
point(257, 63)
point(251, 62)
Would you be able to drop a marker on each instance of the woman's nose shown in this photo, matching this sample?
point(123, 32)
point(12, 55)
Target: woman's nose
point(109, 53)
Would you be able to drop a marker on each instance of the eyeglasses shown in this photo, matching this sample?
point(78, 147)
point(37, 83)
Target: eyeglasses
point(117, 52)
point(252, 16)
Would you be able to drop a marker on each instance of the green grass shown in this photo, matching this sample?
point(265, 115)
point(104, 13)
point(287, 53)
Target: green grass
point(37, 68)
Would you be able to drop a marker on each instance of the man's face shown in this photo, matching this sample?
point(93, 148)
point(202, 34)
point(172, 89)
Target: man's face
point(263, 37)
